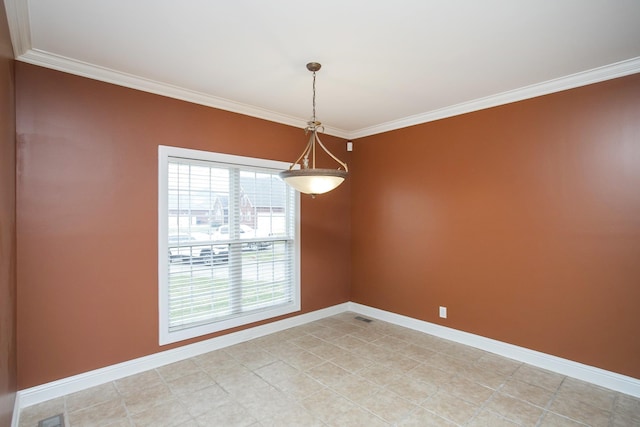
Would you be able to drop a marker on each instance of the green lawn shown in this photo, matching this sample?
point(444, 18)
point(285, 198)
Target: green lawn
point(208, 297)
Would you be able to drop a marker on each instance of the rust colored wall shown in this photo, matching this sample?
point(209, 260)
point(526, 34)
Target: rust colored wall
point(87, 225)
point(8, 367)
point(524, 220)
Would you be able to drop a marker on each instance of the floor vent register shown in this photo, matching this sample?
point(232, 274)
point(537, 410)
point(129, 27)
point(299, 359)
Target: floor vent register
point(55, 421)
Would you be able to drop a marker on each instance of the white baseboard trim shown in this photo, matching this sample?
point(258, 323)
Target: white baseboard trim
point(15, 420)
point(44, 392)
point(601, 377)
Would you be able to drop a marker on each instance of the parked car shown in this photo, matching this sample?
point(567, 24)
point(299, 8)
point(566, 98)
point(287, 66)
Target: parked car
point(198, 247)
point(246, 232)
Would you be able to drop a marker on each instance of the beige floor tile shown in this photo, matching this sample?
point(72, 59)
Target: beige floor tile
point(416, 352)
point(351, 362)
point(300, 386)
point(429, 341)
point(311, 327)
point(328, 373)
point(424, 418)
point(135, 383)
point(91, 397)
point(225, 368)
point(190, 383)
point(237, 383)
point(468, 390)
point(355, 388)
point(213, 358)
point(367, 334)
point(292, 416)
point(539, 377)
point(528, 392)
point(265, 402)
point(277, 372)
point(171, 413)
point(450, 407)
point(229, 414)
point(125, 422)
point(284, 348)
point(326, 404)
point(447, 363)
point(389, 341)
point(307, 342)
point(146, 398)
point(350, 343)
point(328, 351)
point(392, 330)
point(102, 414)
point(388, 406)
point(255, 358)
point(328, 334)
point(204, 400)
point(515, 410)
point(489, 419)
point(244, 347)
point(627, 406)
point(399, 362)
point(580, 411)
point(498, 364)
point(622, 420)
point(588, 393)
point(465, 353)
point(357, 417)
point(375, 353)
point(412, 390)
point(486, 377)
point(554, 420)
point(178, 369)
point(302, 360)
point(380, 374)
point(431, 374)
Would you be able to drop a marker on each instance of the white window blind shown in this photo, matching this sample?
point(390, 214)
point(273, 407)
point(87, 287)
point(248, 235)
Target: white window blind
point(228, 242)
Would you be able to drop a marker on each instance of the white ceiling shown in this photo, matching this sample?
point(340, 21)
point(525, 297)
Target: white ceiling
point(386, 64)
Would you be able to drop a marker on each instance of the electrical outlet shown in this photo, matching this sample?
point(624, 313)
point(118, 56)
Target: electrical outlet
point(443, 312)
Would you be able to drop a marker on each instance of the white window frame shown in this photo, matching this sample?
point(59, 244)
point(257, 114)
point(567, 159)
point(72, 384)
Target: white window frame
point(165, 335)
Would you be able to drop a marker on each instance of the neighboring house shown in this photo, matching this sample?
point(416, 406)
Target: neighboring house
point(210, 207)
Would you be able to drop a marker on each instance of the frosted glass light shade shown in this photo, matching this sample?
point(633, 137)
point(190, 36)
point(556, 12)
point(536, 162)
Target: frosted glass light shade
point(314, 181)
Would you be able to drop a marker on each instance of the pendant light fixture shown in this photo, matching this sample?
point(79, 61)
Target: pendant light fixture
point(307, 178)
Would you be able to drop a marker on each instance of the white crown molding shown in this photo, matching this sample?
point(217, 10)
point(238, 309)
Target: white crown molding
point(18, 20)
point(91, 71)
point(607, 72)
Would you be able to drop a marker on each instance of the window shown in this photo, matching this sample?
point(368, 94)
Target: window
point(228, 245)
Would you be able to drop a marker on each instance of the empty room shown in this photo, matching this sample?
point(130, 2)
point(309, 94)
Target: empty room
point(338, 213)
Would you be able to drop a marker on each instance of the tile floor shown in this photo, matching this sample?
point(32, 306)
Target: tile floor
point(340, 371)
